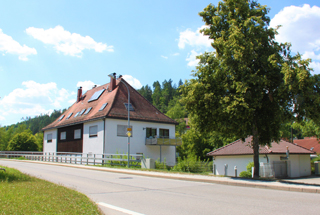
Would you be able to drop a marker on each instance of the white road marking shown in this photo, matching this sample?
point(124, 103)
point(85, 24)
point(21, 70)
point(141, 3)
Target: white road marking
point(118, 208)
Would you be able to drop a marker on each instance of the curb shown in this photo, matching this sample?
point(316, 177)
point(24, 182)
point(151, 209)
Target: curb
point(307, 188)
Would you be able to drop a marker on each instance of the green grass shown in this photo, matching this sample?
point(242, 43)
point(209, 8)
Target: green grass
point(23, 194)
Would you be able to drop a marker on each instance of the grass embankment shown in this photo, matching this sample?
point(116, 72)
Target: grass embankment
point(23, 194)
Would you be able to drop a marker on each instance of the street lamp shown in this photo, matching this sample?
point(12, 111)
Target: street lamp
point(112, 75)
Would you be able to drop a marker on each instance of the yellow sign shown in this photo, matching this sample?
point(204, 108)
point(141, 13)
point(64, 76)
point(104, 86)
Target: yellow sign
point(129, 134)
point(129, 129)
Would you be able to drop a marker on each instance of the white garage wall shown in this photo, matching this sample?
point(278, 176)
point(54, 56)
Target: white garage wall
point(50, 147)
point(305, 166)
point(117, 144)
point(298, 165)
point(240, 161)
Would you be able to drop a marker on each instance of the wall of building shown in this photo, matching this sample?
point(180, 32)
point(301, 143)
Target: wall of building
point(50, 147)
point(93, 145)
point(119, 144)
point(298, 165)
point(240, 161)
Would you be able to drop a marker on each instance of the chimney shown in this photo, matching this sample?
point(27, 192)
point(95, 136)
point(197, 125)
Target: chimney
point(79, 94)
point(113, 82)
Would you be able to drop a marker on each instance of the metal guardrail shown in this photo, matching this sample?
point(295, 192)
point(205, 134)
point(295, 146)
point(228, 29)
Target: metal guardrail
point(75, 158)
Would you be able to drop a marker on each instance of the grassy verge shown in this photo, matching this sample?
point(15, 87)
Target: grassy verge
point(22, 194)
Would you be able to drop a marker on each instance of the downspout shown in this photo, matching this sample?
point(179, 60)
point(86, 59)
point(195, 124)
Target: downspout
point(104, 136)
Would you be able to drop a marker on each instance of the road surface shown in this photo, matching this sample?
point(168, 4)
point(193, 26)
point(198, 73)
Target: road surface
point(119, 193)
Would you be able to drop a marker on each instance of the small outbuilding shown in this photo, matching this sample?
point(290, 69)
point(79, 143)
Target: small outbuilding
point(281, 160)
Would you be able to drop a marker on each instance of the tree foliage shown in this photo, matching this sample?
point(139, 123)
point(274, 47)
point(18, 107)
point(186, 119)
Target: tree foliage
point(250, 84)
point(33, 124)
point(24, 141)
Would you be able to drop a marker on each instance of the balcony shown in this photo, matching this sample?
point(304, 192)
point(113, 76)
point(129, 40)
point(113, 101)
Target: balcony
point(167, 141)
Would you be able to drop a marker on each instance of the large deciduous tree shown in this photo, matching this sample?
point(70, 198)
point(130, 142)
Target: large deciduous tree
point(250, 84)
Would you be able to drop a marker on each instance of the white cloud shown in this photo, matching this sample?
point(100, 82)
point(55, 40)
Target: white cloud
point(176, 54)
point(191, 58)
point(68, 43)
point(193, 38)
point(300, 27)
point(165, 57)
point(9, 45)
point(132, 81)
point(86, 85)
point(33, 99)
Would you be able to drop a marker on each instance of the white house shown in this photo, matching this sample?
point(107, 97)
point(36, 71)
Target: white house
point(97, 124)
point(284, 159)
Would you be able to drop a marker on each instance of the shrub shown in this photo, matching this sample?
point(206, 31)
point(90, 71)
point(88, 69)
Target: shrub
point(248, 173)
point(192, 164)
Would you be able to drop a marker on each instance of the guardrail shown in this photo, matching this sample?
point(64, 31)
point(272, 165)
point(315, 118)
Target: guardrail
point(76, 158)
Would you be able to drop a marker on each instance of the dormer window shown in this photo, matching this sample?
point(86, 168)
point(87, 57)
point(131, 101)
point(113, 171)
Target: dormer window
point(130, 106)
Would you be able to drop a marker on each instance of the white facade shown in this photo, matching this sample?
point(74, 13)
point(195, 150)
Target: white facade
point(50, 146)
point(297, 165)
point(118, 144)
point(107, 140)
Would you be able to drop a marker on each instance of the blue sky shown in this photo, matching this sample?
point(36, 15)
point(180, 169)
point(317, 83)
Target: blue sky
point(50, 48)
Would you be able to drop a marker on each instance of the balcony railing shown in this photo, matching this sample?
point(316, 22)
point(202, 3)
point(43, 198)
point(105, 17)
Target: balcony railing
point(164, 141)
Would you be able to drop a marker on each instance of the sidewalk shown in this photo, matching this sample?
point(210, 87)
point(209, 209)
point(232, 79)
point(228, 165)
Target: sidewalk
point(308, 184)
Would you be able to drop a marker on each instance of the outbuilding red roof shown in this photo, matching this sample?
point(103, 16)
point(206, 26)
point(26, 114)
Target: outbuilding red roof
point(239, 147)
point(116, 99)
point(309, 143)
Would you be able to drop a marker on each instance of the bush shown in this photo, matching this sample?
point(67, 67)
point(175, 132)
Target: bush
point(162, 165)
point(248, 173)
point(193, 164)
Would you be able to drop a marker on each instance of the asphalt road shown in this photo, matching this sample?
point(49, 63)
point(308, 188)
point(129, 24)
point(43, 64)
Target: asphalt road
point(149, 195)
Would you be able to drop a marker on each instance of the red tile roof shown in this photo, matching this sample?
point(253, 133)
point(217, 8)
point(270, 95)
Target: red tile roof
point(239, 147)
point(309, 143)
point(143, 110)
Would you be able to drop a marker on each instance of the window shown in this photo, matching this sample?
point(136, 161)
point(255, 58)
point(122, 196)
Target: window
point(61, 117)
point(88, 110)
point(103, 106)
point(69, 115)
point(49, 138)
point(122, 130)
point(77, 134)
point(130, 106)
point(151, 132)
point(77, 114)
point(83, 110)
point(96, 95)
point(63, 135)
point(93, 131)
point(164, 133)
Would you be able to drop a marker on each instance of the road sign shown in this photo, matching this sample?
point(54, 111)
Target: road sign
point(129, 129)
point(129, 134)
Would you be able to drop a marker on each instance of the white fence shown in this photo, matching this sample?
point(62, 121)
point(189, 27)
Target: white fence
point(76, 158)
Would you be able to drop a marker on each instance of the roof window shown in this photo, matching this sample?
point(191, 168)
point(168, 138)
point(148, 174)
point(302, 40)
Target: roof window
point(96, 95)
point(61, 117)
point(82, 111)
point(88, 110)
point(77, 114)
point(103, 106)
point(130, 106)
point(69, 115)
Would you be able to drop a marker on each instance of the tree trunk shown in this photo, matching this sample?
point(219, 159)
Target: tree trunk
point(255, 145)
